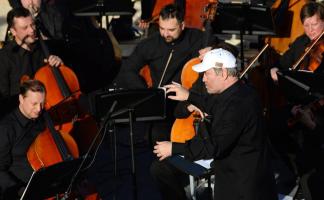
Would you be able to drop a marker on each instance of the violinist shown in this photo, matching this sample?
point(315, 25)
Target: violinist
point(18, 130)
point(312, 17)
point(305, 139)
point(165, 53)
point(22, 56)
point(235, 140)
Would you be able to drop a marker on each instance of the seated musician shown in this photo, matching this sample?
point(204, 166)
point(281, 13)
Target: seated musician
point(312, 17)
point(236, 139)
point(17, 131)
point(165, 52)
point(22, 56)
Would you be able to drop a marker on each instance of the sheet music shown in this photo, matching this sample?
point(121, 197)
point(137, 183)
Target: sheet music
point(203, 163)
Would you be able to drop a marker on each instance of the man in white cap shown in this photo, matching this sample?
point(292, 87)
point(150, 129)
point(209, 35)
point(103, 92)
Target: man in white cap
point(236, 139)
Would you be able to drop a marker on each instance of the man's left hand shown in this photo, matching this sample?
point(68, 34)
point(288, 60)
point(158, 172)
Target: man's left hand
point(163, 149)
point(54, 61)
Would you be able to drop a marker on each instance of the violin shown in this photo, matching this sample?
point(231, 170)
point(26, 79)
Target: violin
point(315, 49)
point(316, 56)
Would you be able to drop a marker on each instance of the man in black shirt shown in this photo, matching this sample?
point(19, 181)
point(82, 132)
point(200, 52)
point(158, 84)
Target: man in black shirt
point(236, 138)
point(165, 53)
point(17, 131)
point(22, 56)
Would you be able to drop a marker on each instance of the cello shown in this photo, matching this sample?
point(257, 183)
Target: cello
point(62, 113)
point(183, 129)
point(63, 103)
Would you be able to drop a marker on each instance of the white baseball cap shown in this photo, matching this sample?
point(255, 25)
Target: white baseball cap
point(214, 58)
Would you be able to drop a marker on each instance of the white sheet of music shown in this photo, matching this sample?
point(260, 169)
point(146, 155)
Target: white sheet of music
point(204, 163)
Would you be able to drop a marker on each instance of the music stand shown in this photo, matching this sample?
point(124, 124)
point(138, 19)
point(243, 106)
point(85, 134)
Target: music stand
point(152, 107)
point(132, 105)
point(243, 19)
point(314, 80)
point(101, 8)
point(51, 181)
point(301, 87)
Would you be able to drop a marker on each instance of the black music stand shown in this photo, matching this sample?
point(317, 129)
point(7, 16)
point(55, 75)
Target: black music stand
point(51, 181)
point(101, 8)
point(243, 19)
point(301, 86)
point(149, 104)
point(131, 106)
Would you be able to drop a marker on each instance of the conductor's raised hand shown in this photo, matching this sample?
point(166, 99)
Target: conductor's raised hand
point(177, 92)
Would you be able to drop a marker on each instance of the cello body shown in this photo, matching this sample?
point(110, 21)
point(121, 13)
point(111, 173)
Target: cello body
point(62, 101)
point(183, 129)
point(39, 156)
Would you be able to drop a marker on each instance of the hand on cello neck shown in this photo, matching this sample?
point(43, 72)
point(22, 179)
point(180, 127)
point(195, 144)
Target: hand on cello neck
point(54, 61)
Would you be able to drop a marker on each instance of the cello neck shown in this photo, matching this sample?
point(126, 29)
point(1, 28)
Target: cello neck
point(64, 152)
point(64, 89)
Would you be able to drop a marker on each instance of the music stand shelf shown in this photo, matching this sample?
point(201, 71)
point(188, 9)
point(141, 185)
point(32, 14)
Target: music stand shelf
point(243, 19)
point(301, 86)
point(148, 104)
point(101, 8)
point(51, 181)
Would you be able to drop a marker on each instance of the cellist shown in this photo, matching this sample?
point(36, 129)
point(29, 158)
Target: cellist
point(166, 53)
point(18, 130)
point(22, 56)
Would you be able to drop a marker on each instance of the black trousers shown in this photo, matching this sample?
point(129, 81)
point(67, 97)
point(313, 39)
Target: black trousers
point(169, 180)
